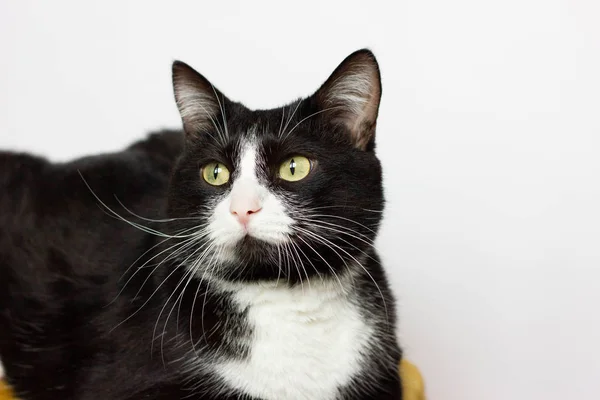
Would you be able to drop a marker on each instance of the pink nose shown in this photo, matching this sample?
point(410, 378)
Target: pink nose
point(242, 210)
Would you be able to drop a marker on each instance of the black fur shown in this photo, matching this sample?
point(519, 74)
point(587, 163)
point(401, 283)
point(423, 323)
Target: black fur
point(79, 318)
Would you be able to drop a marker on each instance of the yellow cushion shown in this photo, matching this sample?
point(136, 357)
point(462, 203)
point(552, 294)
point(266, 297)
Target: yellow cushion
point(4, 392)
point(414, 389)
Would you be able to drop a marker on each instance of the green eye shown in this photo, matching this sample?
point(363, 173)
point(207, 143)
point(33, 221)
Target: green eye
point(215, 174)
point(294, 168)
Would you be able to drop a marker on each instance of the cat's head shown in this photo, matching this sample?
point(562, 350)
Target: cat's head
point(284, 193)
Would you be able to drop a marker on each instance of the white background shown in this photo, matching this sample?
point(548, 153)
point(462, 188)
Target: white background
point(489, 135)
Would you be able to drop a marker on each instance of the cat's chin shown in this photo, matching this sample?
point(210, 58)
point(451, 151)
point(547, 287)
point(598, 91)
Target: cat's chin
point(246, 250)
point(251, 248)
point(248, 259)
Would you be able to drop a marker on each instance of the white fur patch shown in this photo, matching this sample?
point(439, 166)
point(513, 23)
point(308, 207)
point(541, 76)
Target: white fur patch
point(306, 343)
point(197, 102)
point(271, 224)
point(353, 90)
point(1, 369)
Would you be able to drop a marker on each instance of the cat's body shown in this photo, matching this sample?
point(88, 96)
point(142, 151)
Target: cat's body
point(61, 256)
point(283, 298)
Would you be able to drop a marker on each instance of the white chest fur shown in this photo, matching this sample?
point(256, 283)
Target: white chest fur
point(306, 343)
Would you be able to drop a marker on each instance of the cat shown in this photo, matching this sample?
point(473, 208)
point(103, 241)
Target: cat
point(231, 260)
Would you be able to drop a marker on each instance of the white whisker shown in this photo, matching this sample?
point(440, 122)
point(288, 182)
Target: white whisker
point(186, 274)
point(328, 243)
point(290, 117)
point(325, 261)
point(310, 116)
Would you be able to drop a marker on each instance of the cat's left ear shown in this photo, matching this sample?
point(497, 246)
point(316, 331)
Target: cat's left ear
point(200, 104)
point(351, 97)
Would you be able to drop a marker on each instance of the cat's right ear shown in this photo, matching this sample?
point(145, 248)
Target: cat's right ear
point(200, 103)
point(351, 96)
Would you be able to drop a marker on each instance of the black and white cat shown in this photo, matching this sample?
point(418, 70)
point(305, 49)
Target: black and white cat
point(234, 261)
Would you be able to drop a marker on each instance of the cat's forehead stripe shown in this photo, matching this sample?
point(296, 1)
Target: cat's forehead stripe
point(248, 161)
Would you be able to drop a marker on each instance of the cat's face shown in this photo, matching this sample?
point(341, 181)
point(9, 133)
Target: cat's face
point(287, 193)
